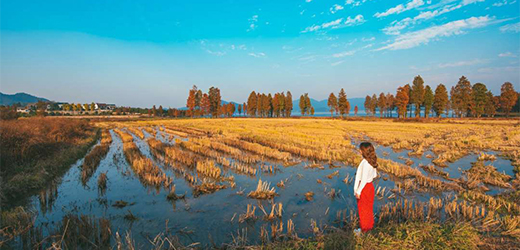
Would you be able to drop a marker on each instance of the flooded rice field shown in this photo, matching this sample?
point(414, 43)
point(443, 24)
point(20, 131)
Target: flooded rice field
point(200, 186)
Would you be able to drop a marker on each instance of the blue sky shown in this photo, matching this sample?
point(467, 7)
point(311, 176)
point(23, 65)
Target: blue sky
point(151, 52)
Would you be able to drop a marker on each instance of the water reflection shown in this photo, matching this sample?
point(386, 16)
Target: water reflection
point(211, 218)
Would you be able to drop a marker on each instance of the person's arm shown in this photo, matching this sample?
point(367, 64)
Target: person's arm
point(361, 182)
point(357, 177)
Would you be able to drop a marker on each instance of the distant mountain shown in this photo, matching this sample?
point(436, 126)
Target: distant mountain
point(22, 98)
point(226, 102)
point(321, 106)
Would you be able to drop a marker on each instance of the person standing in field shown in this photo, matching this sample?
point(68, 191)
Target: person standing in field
point(363, 187)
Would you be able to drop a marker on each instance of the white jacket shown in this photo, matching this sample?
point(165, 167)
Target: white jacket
point(365, 173)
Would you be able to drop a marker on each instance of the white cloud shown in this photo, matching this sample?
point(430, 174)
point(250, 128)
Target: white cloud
point(359, 19)
point(257, 55)
point(352, 2)
point(337, 63)
point(512, 27)
point(461, 63)
point(335, 8)
point(401, 8)
point(351, 52)
point(504, 2)
point(396, 27)
point(466, 2)
point(355, 3)
point(343, 54)
point(507, 54)
point(216, 53)
point(338, 23)
point(332, 24)
point(368, 39)
point(252, 23)
point(494, 70)
point(308, 58)
point(416, 38)
point(308, 1)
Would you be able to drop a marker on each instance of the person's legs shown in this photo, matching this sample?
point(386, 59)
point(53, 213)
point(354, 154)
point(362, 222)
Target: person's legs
point(366, 208)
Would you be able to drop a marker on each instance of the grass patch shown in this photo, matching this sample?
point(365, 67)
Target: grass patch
point(421, 235)
point(36, 151)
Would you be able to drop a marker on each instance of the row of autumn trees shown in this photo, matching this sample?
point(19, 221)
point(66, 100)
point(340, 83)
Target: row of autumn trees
point(203, 104)
point(464, 100)
point(262, 105)
point(339, 104)
point(257, 105)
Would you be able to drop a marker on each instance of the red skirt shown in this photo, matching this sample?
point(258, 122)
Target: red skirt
point(366, 207)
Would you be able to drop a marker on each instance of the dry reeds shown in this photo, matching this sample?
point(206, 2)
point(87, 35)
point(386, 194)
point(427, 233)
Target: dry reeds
point(258, 149)
point(136, 131)
point(102, 182)
point(433, 170)
point(208, 169)
point(34, 151)
point(249, 215)
point(335, 173)
point(206, 187)
point(147, 172)
point(263, 191)
point(173, 196)
point(309, 196)
point(488, 174)
point(92, 160)
point(120, 204)
point(486, 157)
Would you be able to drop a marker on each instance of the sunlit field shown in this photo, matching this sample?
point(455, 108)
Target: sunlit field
point(278, 183)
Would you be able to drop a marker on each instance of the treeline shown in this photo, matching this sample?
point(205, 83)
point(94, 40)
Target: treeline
point(262, 105)
point(464, 100)
point(201, 104)
point(340, 104)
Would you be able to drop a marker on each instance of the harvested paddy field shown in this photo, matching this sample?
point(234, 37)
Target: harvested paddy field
point(237, 182)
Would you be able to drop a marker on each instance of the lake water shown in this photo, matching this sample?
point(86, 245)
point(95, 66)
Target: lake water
point(214, 217)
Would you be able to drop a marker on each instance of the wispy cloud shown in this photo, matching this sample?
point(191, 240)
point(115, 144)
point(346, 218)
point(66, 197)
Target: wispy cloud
point(343, 54)
point(512, 27)
point(506, 54)
point(252, 23)
point(338, 23)
point(335, 8)
point(359, 19)
point(213, 49)
point(424, 36)
point(308, 58)
point(216, 53)
point(257, 55)
point(466, 2)
point(400, 8)
point(461, 63)
point(503, 2)
point(337, 63)
point(396, 26)
point(494, 70)
point(355, 3)
point(351, 52)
